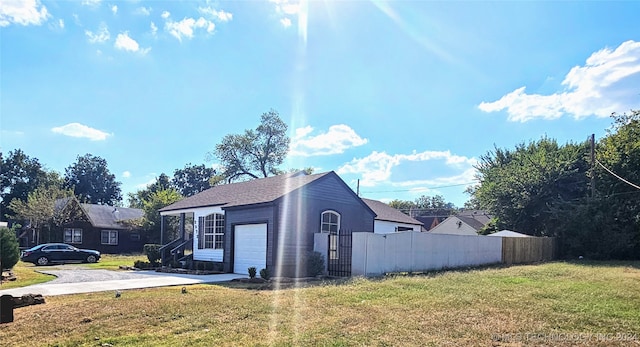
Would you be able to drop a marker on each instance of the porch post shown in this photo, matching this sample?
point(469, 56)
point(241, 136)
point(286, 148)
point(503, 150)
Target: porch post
point(182, 220)
point(161, 229)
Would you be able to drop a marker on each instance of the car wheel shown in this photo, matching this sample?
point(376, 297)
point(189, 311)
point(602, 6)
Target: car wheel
point(91, 259)
point(42, 261)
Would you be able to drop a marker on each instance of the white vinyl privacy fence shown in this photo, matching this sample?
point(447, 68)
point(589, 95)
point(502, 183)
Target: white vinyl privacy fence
point(376, 254)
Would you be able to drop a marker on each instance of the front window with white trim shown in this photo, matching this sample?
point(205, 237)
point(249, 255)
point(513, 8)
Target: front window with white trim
point(330, 222)
point(72, 235)
point(109, 237)
point(211, 231)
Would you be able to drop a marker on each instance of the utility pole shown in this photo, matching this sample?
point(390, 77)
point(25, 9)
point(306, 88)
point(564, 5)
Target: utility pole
point(358, 188)
point(593, 165)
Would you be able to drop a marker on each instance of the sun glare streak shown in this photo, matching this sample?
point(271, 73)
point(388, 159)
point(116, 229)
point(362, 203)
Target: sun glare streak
point(410, 31)
point(303, 21)
point(287, 231)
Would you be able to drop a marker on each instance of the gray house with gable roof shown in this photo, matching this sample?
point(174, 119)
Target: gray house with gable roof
point(270, 222)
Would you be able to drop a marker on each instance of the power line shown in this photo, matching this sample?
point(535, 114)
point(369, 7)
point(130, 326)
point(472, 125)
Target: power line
point(616, 176)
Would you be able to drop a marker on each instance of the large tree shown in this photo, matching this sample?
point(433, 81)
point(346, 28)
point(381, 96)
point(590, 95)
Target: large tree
point(137, 199)
point(545, 189)
point(46, 207)
point(19, 175)
point(256, 153)
point(616, 202)
point(92, 182)
point(424, 205)
point(152, 219)
point(151, 199)
point(530, 187)
point(192, 179)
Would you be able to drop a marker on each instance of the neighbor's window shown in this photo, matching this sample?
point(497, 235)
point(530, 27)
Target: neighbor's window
point(135, 237)
point(109, 237)
point(72, 235)
point(211, 231)
point(330, 222)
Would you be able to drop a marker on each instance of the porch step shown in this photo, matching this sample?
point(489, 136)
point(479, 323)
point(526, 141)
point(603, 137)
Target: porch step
point(186, 257)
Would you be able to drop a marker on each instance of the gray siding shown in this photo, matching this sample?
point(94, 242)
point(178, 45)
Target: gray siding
point(293, 219)
point(299, 218)
point(247, 215)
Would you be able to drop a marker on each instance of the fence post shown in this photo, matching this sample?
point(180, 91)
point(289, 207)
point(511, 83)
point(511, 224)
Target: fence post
point(6, 309)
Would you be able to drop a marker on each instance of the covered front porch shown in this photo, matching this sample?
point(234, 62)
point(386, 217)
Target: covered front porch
point(176, 236)
point(192, 234)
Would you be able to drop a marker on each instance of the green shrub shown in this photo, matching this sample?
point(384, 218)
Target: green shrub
point(252, 272)
point(141, 264)
point(152, 250)
point(264, 274)
point(9, 250)
point(314, 263)
point(174, 264)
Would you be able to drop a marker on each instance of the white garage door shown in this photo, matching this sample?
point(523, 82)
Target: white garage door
point(250, 248)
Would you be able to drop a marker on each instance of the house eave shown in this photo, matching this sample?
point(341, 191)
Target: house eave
point(178, 211)
point(397, 221)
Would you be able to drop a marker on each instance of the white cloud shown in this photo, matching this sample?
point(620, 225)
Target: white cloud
point(126, 174)
point(154, 29)
point(467, 176)
point(286, 22)
point(100, 36)
point(287, 9)
point(377, 167)
point(126, 43)
point(143, 11)
point(82, 131)
point(339, 138)
point(57, 25)
point(91, 2)
point(23, 12)
point(221, 15)
point(114, 9)
point(605, 84)
point(152, 178)
point(165, 14)
point(186, 27)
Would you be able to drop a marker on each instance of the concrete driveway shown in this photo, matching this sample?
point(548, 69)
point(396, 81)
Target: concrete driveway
point(75, 279)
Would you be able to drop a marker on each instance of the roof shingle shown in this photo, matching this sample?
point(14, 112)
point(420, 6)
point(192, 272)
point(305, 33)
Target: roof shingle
point(388, 213)
point(252, 192)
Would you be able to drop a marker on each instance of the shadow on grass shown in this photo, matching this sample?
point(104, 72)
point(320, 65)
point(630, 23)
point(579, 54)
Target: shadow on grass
point(284, 283)
point(604, 263)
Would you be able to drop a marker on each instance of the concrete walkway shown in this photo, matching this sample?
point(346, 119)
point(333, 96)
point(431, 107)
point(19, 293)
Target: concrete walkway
point(146, 279)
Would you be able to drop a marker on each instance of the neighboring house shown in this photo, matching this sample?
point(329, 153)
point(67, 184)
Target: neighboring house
point(430, 222)
point(107, 229)
point(389, 220)
point(269, 222)
point(508, 233)
point(465, 223)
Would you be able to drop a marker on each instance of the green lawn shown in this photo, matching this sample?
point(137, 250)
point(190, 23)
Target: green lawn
point(549, 304)
point(114, 261)
point(27, 274)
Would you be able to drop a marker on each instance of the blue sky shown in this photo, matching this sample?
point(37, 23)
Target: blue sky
point(405, 96)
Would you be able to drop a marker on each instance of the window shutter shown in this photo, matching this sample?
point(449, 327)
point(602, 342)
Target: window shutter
point(200, 232)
